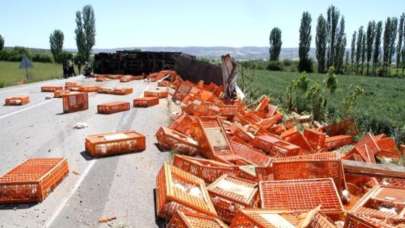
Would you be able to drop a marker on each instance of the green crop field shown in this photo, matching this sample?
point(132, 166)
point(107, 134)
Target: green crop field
point(383, 101)
point(10, 74)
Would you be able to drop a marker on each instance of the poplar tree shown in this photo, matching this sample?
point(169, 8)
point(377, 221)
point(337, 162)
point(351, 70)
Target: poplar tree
point(370, 40)
point(399, 44)
point(305, 63)
point(340, 46)
point(359, 48)
point(320, 42)
point(275, 44)
point(332, 22)
point(363, 53)
point(377, 46)
point(386, 44)
point(353, 50)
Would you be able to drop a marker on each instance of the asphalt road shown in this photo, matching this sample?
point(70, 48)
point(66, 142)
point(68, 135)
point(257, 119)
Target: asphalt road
point(117, 186)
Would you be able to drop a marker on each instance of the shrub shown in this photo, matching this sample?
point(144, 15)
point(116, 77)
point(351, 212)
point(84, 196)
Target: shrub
point(1, 84)
point(274, 66)
point(43, 58)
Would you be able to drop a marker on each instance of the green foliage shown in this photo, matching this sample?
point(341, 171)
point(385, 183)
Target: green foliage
point(386, 44)
point(332, 26)
point(401, 31)
point(56, 43)
point(331, 81)
point(1, 43)
point(340, 47)
point(353, 50)
point(359, 48)
point(274, 66)
point(370, 40)
point(351, 100)
point(305, 64)
point(85, 32)
point(377, 46)
point(275, 44)
point(245, 83)
point(320, 42)
point(42, 58)
point(15, 55)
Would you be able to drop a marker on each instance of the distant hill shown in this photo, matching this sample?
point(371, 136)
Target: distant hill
point(242, 53)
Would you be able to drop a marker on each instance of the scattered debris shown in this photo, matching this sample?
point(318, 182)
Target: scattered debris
point(80, 125)
point(105, 219)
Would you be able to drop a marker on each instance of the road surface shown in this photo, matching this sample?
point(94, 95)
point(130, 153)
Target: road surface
point(120, 186)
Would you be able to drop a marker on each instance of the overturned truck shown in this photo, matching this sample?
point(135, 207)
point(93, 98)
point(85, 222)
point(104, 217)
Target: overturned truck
point(145, 62)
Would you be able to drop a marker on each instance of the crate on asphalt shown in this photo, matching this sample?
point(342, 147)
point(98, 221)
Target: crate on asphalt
point(32, 180)
point(75, 101)
point(69, 85)
point(301, 196)
point(105, 90)
point(177, 141)
point(194, 220)
point(319, 165)
point(122, 91)
point(253, 217)
point(60, 93)
point(229, 193)
point(127, 78)
point(180, 190)
point(214, 142)
point(50, 88)
point(206, 169)
point(113, 107)
point(146, 101)
point(88, 88)
point(106, 144)
point(17, 100)
point(160, 92)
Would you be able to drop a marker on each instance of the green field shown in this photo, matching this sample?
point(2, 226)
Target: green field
point(10, 74)
point(382, 104)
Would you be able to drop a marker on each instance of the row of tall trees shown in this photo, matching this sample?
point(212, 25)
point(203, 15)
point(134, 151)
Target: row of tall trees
point(1, 42)
point(374, 49)
point(85, 38)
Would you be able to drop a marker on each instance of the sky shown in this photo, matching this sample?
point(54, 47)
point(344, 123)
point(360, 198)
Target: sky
point(136, 23)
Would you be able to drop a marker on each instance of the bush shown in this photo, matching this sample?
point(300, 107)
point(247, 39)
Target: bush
point(274, 66)
point(287, 62)
point(43, 58)
point(1, 84)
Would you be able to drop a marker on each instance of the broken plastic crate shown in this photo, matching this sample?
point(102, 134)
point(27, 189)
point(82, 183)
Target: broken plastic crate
point(69, 85)
point(177, 141)
point(105, 90)
point(113, 107)
point(315, 138)
point(252, 155)
point(122, 91)
point(383, 203)
point(127, 78)
point(179, 190)
point(213, 142)
point(301, 196)
point(359, 221)
point(183, 90)
point(88, 88)
point(120, 142)
point(75, 101)
point(208, 170)
point(276, 219)
point(50, 88)
point(319, 165)
point(18, 100)
point(229, 193)
point(158, 92)
point(194, 220)
point(32, 180)
point(146, 101)
point(275, 146)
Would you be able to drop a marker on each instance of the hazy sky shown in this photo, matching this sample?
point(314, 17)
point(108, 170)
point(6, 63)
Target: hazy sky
point(126, 23)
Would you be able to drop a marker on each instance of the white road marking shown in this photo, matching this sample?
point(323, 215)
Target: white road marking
point(77, 185)
point(24, 109)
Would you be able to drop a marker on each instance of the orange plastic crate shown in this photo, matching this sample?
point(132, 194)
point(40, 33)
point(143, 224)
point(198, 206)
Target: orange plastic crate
point(229, 193)
point(18, 100)
point(358, 221)
point(159, 92)
point(105, 90)
point(122, 91)
point(254, 156)
point(275, 146)
point(194, 220)
point(315, 138)
point(120, 142)
point(177, 189)
point(113, 107)
point(127, 78)
point(182, 90)
point(214, 143)
point(75, 101)
point(50, 88)
point(71, 84)
point(344, 127)
point(32, 180)
point(146, 101)
point(177, 141)
point(208, 170)
point(301, 195)
point(60, 93)
point(88, 88)
point(319, 165)
point(337, 141)
point(274, 219)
